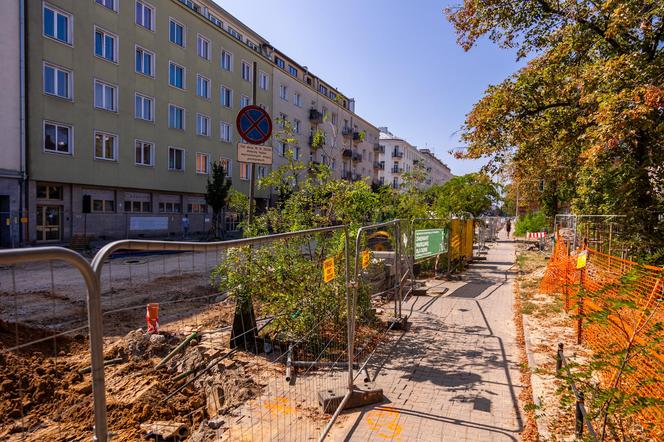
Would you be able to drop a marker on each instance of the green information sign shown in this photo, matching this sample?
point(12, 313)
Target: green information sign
point(430, 242)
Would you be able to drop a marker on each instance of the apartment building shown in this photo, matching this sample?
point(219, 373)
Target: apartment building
point(396, 157)
point(312, 105)
point(12, 157)
point(129, 104)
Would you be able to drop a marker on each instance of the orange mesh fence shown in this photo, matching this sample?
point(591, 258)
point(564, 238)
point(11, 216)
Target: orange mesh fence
point(468, 236)
point(631, 295)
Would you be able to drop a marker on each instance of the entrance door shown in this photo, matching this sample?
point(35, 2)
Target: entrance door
point(5, 222)
point(49, 223)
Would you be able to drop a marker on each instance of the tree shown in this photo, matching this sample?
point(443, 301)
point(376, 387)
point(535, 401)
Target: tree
point(216, 196)
point(473, 193)
point(586, 114)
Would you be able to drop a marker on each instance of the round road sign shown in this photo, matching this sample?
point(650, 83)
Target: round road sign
point(254, 124)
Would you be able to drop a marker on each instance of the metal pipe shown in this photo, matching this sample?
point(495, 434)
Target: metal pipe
point(311, 364)
point(350, 304)
point(176, 350)
point(190, 246)
point(289, 362)
point(37, 254)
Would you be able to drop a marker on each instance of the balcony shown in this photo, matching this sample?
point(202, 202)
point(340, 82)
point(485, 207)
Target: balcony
point(397, 169)
point(379, 165)
point(347, 153)
point(397, 154)
point(357, 177)
point(346, 174)
point(379, 148)
point(357, 156)
point(379, 182)
point(321, 141)
point(315, 116)
point(347, 132)
point(358, 137)
point(429, 169)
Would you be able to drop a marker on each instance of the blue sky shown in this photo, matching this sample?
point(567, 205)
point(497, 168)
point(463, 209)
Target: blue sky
point(398, 59)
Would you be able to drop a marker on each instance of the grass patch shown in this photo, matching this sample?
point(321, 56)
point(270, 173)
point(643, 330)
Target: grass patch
point(528, 308)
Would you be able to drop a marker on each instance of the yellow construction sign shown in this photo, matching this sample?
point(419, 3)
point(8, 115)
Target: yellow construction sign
point(328, 270)
point(582, 259)
point(365, 259)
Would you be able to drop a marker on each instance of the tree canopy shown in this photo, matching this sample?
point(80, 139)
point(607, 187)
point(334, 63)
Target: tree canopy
point(585, 115)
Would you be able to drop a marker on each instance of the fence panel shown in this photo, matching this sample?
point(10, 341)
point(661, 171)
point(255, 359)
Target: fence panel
point(42, 344)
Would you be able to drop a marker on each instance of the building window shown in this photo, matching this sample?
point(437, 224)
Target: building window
point(225, 131)
point(202, 86)
point(296, 126)
point(226, 60)
point(144, 153)
point(110, 4)
point(176, 32)
point(227, 165)
point(57, 24)
point(235, 33)
point(106, 146)
point(138, 206)
point(202, 125)
point(49, 192)
point(246, 71)
point(282, 120)
point(197, 208)
point(296, 153)
point(175, 159)
point(322, 89)
point(144, 15)
point(106, 45)
point(279, 62)
point(57, 138)
point(169, 207)
point(281, 148)
point(292, 71)
point(176, 75)
point(297, 100)
point(226, 97)
point(334, 118)
point(261, 172)
point(283, 92)
point(244, 101)
point(102, 206)
point(144, 62)
point(143, 107)
point(175, 117)
point(106, 96)
point(202, 164)
point(203, 47)
point(263, 80)
point(245, 171)
point(57, 81)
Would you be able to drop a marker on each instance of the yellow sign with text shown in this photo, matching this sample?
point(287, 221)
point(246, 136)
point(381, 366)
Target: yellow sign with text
point(365, 259)
point(328, 270)
point(582, 259)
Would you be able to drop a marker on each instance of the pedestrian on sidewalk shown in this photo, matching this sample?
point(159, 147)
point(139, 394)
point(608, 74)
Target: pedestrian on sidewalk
point(508, 227)
point(185, 226)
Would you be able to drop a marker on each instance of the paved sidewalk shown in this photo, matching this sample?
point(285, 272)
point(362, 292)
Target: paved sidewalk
point(454, 375)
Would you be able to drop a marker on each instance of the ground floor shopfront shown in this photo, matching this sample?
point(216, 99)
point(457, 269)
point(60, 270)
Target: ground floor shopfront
point(60, 211)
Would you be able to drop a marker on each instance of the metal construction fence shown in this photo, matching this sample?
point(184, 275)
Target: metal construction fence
point(619, 315)
point(305, 312)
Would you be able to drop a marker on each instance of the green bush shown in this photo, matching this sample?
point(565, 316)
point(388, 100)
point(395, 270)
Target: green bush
point(532, 222)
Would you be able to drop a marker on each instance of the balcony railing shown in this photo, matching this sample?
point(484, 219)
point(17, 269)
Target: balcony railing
point(357, 137)
point(380, 165)
point(357, 177)
point(321, 141)
point(379, 148)
point(397, 169)
point(378, 182)
point(347, 131)
point(315, 116)
point(397, 154)
point(347, 153)
point(357, 156)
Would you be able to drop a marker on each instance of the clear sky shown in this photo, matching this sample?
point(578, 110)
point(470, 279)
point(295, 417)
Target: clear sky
point(397, 58)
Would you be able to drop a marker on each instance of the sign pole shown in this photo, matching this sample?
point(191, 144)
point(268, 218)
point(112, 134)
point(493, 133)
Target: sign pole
point(252, 166)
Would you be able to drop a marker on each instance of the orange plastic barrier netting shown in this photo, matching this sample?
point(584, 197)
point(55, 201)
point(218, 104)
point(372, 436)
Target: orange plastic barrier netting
point(633, 296)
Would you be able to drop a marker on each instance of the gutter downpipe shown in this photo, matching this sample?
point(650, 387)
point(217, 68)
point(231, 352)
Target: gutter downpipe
point(23, 180)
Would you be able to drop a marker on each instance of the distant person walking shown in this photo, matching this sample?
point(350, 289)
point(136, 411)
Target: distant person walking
point(185, 226)
point(508, 227)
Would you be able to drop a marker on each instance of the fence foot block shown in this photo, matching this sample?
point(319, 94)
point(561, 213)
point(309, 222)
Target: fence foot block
point(397, 323)
point(363, 394)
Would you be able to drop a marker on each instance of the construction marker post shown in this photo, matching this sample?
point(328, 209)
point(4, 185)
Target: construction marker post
point(581, 263)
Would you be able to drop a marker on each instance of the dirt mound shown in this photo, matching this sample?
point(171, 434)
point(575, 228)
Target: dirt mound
point(139, 345)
